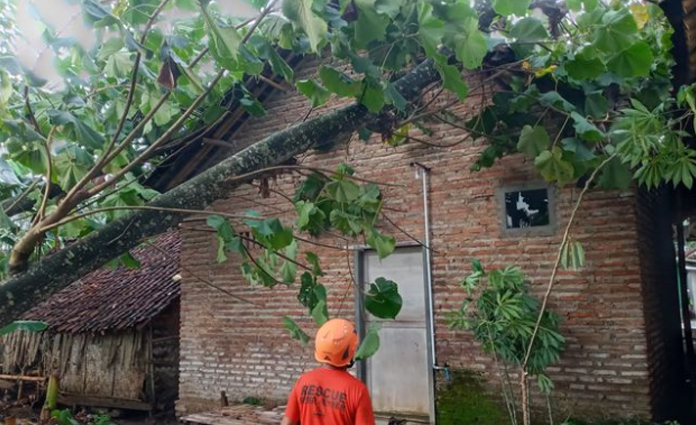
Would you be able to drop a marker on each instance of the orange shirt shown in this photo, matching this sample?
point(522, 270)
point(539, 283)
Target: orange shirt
point(330, 397)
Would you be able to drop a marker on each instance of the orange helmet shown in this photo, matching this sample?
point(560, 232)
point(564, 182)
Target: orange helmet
point(336, 343)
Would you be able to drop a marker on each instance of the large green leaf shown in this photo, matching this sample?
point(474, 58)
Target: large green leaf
point(584, 67)
point(394, 97)
point(452, 80)
point(223, 41)
point(24, 325)
point(71, 164)
point(295, 331)
point(383, 299)
point(301, 14)
point(470, 44)
point(585, 129)
point(617, 31)
point(77, 129)
point(511, 7)
point(384, 245)
point(338, 82)
point(373, 97)
point(635, 61)
point(371, 24)
point(313, 91)
point(343, 191)
point(529, 30)
point(533, 140)
point(553, 167)
point(370, 343)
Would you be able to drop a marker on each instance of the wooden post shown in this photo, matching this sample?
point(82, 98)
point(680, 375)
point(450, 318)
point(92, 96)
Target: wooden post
point(10, 420)
point(223, 399)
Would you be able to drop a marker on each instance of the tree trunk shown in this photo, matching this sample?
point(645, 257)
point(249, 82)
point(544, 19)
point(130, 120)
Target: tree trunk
point(19, 293)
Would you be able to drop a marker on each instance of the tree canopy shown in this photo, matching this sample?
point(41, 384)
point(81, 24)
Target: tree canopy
point(582, 87)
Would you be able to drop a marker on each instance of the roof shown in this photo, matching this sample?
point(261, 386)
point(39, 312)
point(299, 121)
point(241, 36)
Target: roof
point(116, 299)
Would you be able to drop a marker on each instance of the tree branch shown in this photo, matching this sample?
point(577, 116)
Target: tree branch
point(144, 207)
point(564, 241)
point(49, 174)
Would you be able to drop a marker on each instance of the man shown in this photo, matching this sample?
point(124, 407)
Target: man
point(329, 395)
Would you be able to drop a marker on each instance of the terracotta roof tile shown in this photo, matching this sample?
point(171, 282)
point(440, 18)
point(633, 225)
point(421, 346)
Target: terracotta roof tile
point(116, 299)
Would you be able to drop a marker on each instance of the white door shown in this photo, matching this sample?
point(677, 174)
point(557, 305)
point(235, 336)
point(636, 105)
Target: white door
point(398, 375)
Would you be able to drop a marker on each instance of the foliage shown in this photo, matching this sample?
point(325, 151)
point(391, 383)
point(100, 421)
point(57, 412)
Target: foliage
point(604, 89)
point(65, 417)
point(464, 400)
point(24, 325)
point(502, 316)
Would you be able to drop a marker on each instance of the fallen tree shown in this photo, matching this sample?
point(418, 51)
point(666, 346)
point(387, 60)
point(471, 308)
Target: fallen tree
point(45, 277)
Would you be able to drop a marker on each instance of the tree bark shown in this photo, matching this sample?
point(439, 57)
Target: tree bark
point(19, 293)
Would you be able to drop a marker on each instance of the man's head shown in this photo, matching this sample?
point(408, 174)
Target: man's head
point(336, 343)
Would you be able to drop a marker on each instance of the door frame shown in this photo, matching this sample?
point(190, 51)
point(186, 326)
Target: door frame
point(359, 273)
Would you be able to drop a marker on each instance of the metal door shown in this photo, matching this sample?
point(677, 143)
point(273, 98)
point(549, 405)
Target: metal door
point(398, 375)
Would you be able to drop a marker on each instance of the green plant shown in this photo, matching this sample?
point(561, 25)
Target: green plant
point(502, 316)
point(65, 417)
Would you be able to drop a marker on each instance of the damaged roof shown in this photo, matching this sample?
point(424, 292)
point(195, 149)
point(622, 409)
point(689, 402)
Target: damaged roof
point(111, 299)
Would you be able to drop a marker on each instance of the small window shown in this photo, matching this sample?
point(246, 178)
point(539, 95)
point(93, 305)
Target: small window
point(527, 209)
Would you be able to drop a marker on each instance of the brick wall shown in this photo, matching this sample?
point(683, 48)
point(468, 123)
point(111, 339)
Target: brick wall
point(243, 349)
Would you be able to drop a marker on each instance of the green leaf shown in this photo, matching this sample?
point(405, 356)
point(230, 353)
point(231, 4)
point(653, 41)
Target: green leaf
point(24, 325)
point(222, 226)
point(533, 141)
point(223, 41)
point(269, 53)
point(113, 45)
point(97, 14)
point(129, 261)
point(452, 80)
point(585, 129)
point(313, 91)
point(384, 245)
point(615, 175)
point(343, 191)
point(288, 271)
point(118, 65)
point(338, 82)
point(373, 98)
point(584, 67)
point(554, 99)
point(596, 105)
point(370, 343)
point(78, 130)
point(220, 257)
point(470, 44)
point(579, 148)
point(383, 299)
point(313, 259)
point(617, 31)
point(576, 5)
point(632, 62)
point(371, 25)
point(529, 30)
point(395, 98)
point(511, 7)
point(320, 313)
point(71, 164)
point(553, 167)
point(295, 331)
point(301, 14)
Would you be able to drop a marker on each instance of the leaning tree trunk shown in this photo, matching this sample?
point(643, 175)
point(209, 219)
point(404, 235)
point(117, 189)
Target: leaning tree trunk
point(52, 273)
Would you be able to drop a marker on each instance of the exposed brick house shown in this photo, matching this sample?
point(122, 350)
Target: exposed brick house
point(620, 315)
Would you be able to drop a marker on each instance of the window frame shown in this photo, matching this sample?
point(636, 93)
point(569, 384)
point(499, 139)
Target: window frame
point(546, 230)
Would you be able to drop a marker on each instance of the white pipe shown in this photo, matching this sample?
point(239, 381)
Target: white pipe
point(428, 259)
